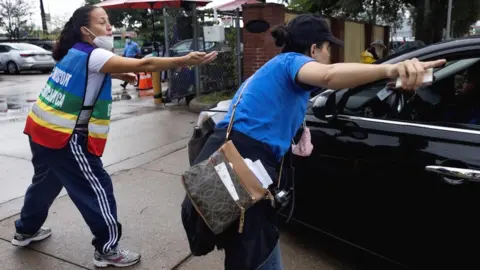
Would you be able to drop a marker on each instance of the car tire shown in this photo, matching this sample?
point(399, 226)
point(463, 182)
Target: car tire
point(11, 68)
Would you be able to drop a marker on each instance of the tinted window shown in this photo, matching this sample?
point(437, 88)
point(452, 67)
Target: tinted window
point(183, 47)
point(452, 100)
point(24, 46)
point(364, 101)
point(371, 100)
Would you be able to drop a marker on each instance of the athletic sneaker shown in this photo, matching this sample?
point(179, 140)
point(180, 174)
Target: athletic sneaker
point(117, 257)
point(22, 240)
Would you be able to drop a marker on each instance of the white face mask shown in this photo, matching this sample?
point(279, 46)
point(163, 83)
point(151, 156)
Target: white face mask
point(104, 42)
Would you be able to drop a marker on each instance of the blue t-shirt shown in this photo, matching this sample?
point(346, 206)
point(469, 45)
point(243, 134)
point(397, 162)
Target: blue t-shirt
point(131, 49)
point(273, 105)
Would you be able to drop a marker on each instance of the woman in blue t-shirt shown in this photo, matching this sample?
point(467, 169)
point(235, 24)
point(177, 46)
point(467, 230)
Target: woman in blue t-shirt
point(271, 111)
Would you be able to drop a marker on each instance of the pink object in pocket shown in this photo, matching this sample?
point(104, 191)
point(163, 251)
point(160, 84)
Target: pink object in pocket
point(304, 147)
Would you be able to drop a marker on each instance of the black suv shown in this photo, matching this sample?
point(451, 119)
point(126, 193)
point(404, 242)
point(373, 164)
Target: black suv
point(398, 176)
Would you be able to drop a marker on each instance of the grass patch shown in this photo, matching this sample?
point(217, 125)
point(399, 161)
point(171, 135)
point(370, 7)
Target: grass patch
point(215, 97)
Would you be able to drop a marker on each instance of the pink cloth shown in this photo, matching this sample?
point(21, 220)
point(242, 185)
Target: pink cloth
point(304, 147)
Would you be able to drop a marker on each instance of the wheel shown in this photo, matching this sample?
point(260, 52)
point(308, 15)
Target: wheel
point(12, 68)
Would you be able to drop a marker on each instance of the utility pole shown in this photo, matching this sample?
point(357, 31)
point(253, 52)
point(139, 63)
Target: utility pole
point(449, 20)
point(44, 19)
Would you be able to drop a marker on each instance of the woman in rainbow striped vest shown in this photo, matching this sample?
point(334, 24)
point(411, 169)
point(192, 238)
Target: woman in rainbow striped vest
point(68, 128)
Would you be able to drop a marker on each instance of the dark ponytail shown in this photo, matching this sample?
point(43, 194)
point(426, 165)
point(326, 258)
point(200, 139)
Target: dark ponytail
point(71, 33)
point(283, 38)
point(280, 35)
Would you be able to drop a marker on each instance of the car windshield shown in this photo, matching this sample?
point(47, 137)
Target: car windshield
point(24, 46)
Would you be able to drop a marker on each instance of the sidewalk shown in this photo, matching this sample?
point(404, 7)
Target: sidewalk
point(149, 198)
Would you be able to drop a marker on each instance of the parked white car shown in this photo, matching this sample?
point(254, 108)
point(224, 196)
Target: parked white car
point(16, 57)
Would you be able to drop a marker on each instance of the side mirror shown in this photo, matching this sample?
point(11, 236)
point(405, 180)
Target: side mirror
point(324, 105)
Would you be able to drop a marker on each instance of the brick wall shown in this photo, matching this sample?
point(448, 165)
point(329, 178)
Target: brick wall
point(258, 48)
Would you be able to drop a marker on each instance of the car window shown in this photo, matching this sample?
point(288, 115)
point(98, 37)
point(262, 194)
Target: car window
point(370, 100)
point(364, 101)
point(453, 100)
point(183, 47)
point(24, 46)
point(208, 45)
point(3, 49)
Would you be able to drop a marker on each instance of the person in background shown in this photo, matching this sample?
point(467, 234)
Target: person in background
point(132, 50)
point(374, 52)
point(268, 116)
point(68, 128)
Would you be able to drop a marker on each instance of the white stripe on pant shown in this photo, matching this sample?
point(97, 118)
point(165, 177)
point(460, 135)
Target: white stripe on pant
point(99, 191)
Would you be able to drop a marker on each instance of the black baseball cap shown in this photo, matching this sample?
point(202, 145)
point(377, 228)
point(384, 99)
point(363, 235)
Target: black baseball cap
point(309, 29)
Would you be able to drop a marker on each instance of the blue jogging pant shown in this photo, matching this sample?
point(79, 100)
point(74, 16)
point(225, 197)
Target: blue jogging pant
point(87, 183)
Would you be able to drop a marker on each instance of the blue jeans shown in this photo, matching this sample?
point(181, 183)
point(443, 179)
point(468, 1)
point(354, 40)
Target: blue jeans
point(274, 261)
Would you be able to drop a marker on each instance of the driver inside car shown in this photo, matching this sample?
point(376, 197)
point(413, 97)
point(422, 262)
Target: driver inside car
point(466, 102)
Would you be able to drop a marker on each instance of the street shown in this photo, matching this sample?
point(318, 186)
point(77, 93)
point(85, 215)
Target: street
point(145, 154)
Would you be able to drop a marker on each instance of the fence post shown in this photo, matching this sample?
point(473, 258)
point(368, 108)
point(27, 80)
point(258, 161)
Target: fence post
point(167, 50)
point(195, 47)
point(238, 47)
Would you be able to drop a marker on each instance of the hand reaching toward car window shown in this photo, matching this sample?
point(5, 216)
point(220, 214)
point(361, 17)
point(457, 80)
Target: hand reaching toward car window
point(411, 72)
point(199, 58)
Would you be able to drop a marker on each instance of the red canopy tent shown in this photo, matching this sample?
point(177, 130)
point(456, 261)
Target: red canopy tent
point(148, 4)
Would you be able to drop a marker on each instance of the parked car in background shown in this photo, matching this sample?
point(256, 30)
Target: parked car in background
point(46, 44)
point(147, 48)
point(16, 57)
point(396, 174)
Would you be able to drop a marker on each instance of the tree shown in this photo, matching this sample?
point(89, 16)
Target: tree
point(58, 22)
point(388, 12)
point(14, 14)
point(44, 19)
point(428, 18)
point(430, 12)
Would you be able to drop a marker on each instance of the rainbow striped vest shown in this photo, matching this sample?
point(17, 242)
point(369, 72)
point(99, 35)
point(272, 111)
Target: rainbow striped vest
point(55, 114)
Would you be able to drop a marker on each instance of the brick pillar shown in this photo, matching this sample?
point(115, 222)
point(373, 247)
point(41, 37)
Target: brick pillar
point(259, 48)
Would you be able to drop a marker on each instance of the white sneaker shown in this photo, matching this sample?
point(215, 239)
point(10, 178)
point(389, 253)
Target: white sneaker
point(22, 240)
point(117, 257)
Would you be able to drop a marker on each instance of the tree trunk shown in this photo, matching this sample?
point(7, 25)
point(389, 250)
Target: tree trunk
point(373, 19)
point(44, 19)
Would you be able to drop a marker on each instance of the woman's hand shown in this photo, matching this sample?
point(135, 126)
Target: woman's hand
point(199, 58)
point(128, 77)
point(411, 72)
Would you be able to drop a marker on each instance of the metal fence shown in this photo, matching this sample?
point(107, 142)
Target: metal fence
point(181, 28)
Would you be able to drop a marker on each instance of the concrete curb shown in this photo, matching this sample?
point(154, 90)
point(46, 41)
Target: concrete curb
point(197, 106)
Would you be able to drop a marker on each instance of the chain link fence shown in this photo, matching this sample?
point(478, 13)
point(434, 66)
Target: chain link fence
point(221, 75)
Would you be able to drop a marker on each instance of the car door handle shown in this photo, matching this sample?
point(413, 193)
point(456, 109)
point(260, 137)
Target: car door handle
point(467, 174)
